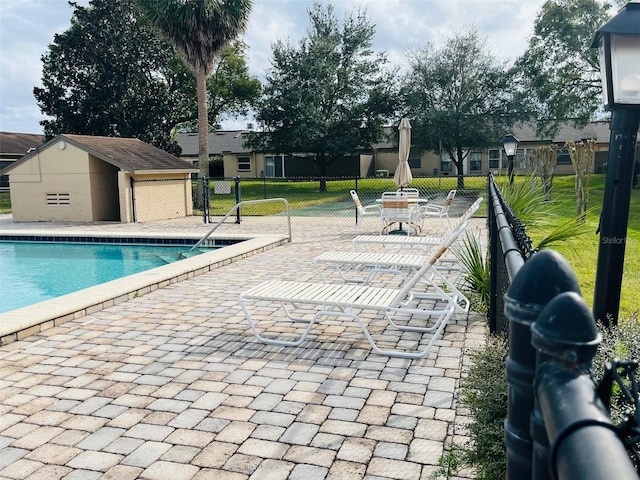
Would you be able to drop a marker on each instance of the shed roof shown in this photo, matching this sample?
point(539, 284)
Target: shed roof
point(18, 144)
point(128, 154)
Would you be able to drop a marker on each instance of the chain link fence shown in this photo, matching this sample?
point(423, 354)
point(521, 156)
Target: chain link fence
point(311, 200)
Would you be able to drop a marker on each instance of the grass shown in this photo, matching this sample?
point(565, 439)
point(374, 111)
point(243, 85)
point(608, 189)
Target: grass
point(5, 202)
point(582, 254)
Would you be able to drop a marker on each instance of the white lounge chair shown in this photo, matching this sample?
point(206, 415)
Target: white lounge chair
point(363, 210)
point(340, 300)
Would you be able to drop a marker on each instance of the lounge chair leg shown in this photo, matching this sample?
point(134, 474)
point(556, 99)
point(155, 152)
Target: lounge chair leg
point(273, 341)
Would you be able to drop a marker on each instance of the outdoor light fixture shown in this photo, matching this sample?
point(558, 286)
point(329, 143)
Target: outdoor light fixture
point(618, 43)
point(510, 144)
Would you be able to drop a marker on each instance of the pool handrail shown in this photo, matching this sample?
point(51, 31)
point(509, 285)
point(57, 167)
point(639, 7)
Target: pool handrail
point(235, 208)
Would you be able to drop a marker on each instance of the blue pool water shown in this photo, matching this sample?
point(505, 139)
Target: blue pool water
point(32, 272)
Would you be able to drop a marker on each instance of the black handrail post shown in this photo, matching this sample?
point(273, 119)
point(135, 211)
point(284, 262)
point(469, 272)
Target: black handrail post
point(237, 192)
point(584, 442)
point(538, 281)
point(133, 200)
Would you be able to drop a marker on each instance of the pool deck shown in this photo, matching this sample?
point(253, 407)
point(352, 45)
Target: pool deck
point(168, 382)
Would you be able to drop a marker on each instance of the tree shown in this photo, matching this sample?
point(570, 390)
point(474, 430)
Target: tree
point(543, 160)
point(559, 74)
point(231, 91)
point(95, 85)
point(200, 30)
point(582, 155)
point(458, 97)
point(330, 95)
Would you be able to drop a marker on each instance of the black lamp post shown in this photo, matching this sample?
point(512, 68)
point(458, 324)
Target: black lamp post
point(618, 43)
point(510, 144)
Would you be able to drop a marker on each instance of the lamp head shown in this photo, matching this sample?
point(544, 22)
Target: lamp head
point(618, 44)
point(510, 144)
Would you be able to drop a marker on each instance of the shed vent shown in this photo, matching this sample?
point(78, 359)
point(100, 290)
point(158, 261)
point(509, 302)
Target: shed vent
point(58, 199)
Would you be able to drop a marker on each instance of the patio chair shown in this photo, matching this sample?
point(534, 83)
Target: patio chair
point(437, 211)
point(352, 301)
point(396, 208)
point(397, 243)
point(363, 211)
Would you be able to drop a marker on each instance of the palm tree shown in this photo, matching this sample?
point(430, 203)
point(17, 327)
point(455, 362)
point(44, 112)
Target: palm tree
point(199, 30)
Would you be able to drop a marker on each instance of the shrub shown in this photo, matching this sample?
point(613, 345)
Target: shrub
point(484, 393)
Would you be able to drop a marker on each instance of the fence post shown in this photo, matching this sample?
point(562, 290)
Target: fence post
point(237, 192)
point(205, 199)
point(584, 442)
point(543, 276)
point(133, 200)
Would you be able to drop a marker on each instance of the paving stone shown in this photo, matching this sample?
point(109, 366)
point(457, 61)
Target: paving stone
point(188, 418)
point(146, 454)
point(122, 472)
point(263, 448)
point(341, 470)
point(53, 454)
point(50, 472)
point(358, 450)
point(307, 472)
point(150, 432)
point(162, 470)
point(96, 461)
point(20, 469)
point(193, 438)
point(37, 437)
point(396, 451)
point(388, 468)
point(300, 433)
point(215, 455)
point(273, 470)
point(81, 474)
point(244, 464)
point(123, 445)
point(425, 451)
point(180, 454)
point(100, 438)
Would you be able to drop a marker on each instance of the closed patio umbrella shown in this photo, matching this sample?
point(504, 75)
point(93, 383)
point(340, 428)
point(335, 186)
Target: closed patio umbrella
point(403, 176)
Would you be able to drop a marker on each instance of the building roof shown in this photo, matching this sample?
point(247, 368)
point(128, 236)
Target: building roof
point(220, 142)
point(16, 145)
point(526, 132)
point(128, 154)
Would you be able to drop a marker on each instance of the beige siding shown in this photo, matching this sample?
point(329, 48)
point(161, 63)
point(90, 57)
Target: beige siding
point(53, 171)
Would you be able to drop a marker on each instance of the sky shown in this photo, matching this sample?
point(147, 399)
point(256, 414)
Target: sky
point(27, 28)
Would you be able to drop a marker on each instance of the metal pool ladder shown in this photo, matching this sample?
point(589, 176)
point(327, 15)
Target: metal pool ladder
point(235, 209)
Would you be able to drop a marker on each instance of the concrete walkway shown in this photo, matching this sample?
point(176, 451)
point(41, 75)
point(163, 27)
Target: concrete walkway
point(173, 385)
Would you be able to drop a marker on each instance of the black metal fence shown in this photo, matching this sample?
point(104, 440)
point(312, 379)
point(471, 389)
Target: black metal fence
point(558, 422)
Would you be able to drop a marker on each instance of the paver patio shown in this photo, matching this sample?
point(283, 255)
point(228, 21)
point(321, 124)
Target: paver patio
point(173, 385)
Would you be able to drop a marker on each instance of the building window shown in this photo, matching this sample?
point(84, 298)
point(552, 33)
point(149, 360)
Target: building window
point(563, 157)
point(415, 161)
point(446, 165)
point(244, 164)
point(519, 160)
point(475, 162)
point(494, 158)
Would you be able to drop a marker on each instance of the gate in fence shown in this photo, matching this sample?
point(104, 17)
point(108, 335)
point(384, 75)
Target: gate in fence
point(558, 423)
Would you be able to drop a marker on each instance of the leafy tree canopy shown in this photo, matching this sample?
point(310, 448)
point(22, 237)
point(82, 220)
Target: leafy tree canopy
point(457, 96)
point(110, 74)
point(330, 94)
point(559, 74)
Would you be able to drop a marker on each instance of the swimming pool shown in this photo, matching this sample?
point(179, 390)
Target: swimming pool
point(32, 272)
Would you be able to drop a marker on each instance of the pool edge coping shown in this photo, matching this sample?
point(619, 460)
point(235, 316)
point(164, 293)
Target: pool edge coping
point(26, 321)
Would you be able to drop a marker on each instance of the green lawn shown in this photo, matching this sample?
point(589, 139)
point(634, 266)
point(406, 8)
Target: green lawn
point(582, 254)
point(5, 202)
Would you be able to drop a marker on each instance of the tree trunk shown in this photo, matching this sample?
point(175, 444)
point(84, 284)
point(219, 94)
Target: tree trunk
point(459, 163)
point(203, 130)
point(322, 164)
